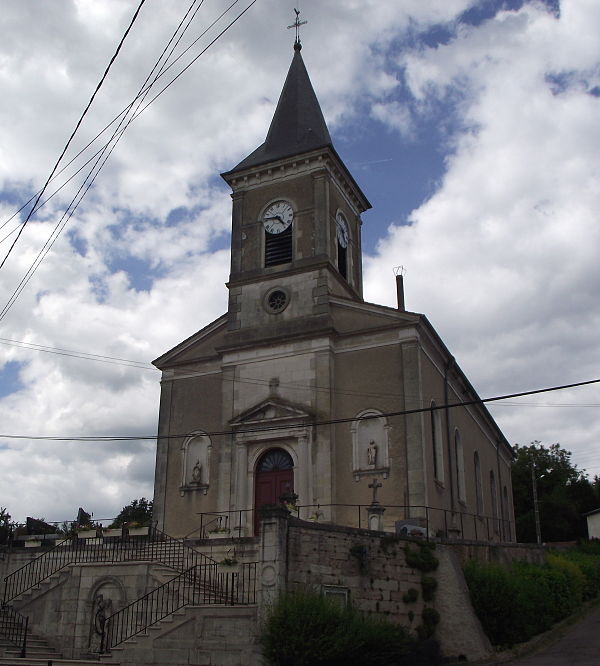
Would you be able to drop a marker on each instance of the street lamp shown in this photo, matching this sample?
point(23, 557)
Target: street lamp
point(536, 511)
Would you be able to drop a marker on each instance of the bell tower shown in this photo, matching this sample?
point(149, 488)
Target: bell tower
point(296, 222)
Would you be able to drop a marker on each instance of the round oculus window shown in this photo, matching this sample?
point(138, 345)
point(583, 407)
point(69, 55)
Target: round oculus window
point(276, 300)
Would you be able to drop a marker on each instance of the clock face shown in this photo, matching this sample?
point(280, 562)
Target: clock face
point(341, 228)
point(278, 217)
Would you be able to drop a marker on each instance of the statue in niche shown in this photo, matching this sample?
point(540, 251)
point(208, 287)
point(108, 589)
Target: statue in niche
point(195, 464)
point(197, 473)
point(101, 611)
point(372, 453)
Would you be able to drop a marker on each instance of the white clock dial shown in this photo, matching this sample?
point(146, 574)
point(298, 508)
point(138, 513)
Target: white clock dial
point(341, 228)
point(278, 217)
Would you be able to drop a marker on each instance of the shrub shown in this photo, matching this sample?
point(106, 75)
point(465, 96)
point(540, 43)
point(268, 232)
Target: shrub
point(588, 563)
point(431, 619)
point(304, 628)
point(517, 602)
point(422, 559)
point(429, 586)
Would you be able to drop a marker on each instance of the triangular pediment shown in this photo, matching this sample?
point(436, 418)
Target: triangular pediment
point(273, 411)
point(202, 344)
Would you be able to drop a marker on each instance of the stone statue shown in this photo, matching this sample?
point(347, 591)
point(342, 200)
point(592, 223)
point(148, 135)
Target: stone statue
point(372, 453)
point(197, 473)
point(102, 609)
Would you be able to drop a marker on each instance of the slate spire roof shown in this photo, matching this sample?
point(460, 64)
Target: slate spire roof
point(298, 125)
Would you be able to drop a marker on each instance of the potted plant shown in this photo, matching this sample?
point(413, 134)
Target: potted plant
point(135, 529)
point(229, 565)
point(218, 533)
point(112, 531)
point(89, 531)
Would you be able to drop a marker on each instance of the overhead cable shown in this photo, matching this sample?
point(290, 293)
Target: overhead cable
point(84, 189)
point(302, 424)
point(89, 104)
point(142, 91)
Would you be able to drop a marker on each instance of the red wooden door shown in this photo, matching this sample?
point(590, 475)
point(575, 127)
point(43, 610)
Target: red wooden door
point(274, 478)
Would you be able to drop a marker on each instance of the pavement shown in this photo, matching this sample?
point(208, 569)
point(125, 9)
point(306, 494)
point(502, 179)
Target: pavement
point(575, 644)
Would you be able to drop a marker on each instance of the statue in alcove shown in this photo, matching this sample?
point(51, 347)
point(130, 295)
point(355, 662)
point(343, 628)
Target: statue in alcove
point(372, 454)
point(101, 611)
point(197, 473)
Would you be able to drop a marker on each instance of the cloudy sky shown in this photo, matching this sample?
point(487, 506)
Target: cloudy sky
point(472, 126)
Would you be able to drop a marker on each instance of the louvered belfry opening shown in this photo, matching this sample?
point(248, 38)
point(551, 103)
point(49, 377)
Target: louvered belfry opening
point(342, 260)
point(278, 247)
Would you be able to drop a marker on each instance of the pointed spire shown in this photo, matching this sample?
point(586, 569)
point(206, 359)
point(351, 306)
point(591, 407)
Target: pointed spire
point(298, 125)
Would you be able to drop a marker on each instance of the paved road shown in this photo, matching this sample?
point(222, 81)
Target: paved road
point(579, 645)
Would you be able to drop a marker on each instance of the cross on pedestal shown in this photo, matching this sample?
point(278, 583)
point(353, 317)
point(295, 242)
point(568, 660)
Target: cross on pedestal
point(375, 485)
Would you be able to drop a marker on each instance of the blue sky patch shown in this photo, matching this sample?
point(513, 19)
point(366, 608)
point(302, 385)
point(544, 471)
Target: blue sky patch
point(142, 273)
point(9, 378)
point(403, 172)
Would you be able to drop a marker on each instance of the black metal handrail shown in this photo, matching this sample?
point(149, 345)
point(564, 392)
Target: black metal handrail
point(463, 525)
point(14, 627)
point(201, 584)
point(155, 547)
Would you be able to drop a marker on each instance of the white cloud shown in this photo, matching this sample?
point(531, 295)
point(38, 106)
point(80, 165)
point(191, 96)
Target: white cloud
point(501, 258)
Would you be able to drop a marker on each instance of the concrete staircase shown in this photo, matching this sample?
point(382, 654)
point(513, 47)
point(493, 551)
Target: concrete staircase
point(199, 635)
point(42, 587)
point(37, 649)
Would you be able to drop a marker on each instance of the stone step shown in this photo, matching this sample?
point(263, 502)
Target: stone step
point(11, 661)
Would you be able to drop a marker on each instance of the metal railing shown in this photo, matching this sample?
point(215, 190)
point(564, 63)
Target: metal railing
point(154, 547)
point(455, 524)
point(201, 584)
point(14, 627)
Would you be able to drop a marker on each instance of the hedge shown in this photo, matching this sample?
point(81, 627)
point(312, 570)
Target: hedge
point(517, 602)
point(303, 628)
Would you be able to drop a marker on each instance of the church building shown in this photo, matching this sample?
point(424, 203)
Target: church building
point(304, 391)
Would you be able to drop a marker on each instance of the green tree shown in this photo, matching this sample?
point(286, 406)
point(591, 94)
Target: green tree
point(564, 493)
point(6, 525)
point(139, 511)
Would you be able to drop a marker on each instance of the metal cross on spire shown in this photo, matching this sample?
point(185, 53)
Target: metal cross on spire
point(297, 23)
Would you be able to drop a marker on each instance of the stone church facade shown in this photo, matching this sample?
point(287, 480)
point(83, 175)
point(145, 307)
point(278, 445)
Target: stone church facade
point(301, 393)
point(304, 389)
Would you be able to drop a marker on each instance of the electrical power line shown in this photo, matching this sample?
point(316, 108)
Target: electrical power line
point(101, 159)
point(117, 117)
point(143, 365)
point(69, 212)
point(271, 428)
point(89, 104)
point(78, 354)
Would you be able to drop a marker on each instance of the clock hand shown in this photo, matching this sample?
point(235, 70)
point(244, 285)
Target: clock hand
point(274, 217)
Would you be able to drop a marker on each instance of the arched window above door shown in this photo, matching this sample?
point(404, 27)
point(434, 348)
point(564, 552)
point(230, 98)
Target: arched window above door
point(275, 460)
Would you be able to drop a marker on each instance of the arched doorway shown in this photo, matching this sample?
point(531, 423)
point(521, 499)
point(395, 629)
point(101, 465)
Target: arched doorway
point(274, 478)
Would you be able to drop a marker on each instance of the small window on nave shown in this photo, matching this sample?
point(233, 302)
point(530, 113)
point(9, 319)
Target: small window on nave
point(478, 483)
point(437, 443)
point(460, 466)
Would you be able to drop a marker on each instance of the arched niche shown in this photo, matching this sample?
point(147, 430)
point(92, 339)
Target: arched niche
point(370, 444)
point(195, 463)
point(107, 596)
